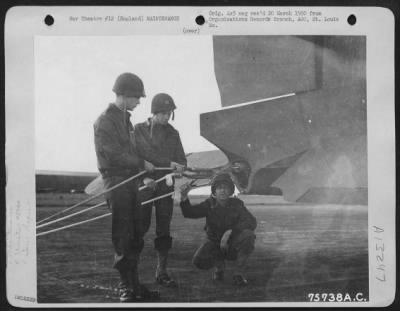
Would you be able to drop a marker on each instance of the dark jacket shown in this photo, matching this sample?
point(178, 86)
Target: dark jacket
point(159, 144)
point(113, 143)
point(234, 216)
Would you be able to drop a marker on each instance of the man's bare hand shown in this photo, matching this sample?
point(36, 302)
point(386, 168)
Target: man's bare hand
point(225, 238)
point(185, 188)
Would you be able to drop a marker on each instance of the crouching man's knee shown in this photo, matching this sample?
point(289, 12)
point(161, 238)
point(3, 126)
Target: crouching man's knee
point(244, 242)
point(205, 256)
point(203, 263)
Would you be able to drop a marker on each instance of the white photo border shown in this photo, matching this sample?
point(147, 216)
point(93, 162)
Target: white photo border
point(24, 23)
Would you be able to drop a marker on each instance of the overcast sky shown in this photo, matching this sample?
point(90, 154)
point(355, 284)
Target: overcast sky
point(74, 78)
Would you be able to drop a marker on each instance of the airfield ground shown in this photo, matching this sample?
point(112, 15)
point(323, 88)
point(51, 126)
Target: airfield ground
point(300, 249)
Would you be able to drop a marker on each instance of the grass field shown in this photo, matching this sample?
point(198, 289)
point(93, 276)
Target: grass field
point(300, 249)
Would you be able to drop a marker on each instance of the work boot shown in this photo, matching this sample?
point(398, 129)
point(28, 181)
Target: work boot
point(241, 264)
point(238, 278)
point(143, 294)
point(164, 279)
point(162, 276)
point(126, 295)
point(125, 290)
point(140, 292)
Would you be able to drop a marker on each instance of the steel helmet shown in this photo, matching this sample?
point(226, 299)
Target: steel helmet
point(129, 84)
point(162, 102)
point(220, 179)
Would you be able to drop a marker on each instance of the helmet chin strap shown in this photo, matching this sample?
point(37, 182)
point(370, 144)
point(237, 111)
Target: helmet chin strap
point(151, 127)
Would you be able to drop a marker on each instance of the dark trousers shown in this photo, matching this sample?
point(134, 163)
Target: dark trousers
point(127, 239)
point(210, 251)
point(163, 213)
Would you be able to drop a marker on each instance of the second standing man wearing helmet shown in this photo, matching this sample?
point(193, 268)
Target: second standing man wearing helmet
point(159, 143)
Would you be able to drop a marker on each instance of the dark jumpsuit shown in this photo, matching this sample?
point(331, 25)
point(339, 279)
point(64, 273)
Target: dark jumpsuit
point(160, 145)
point(117, 160)
point(219, 219)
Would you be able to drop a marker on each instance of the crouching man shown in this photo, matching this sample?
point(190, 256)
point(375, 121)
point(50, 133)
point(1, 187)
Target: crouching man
point(229, 229)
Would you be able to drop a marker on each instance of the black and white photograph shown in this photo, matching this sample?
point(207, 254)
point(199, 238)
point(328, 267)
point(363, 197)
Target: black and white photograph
point(223, 168)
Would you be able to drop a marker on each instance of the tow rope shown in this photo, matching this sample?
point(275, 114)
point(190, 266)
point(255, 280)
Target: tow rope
point(191, 173)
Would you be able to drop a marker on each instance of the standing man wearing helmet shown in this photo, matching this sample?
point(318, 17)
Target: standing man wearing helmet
point(117, 160)
point(227, 218)
point(158, 142)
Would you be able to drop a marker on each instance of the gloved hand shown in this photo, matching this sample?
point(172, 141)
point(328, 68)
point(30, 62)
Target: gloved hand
point(149, 183)
point(169, 180)
point(149, 167)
